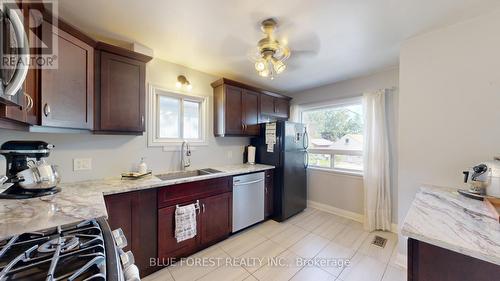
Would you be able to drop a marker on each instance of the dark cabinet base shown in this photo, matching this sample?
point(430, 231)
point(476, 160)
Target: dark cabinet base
point(427, 262)
point(135, 213)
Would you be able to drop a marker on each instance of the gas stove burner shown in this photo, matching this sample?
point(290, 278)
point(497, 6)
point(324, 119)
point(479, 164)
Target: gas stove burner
point(77, 251)
point(68, 243)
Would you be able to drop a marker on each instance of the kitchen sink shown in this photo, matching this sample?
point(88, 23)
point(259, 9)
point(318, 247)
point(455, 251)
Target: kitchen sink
point(187, 174)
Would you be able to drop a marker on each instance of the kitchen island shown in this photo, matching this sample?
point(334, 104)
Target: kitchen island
point(451, 237)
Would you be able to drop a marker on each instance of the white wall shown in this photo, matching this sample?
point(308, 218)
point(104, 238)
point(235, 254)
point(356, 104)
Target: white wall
point(449, 106)
point(346, 191)
point(113, 154)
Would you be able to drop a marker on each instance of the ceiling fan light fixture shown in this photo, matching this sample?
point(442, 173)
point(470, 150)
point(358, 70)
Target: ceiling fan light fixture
point(279, 66)
point(269, 58)
point(264, 73)
point(260, 65)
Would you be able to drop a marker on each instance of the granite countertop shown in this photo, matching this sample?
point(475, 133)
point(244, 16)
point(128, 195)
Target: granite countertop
point(85, 200)
point(442, 217)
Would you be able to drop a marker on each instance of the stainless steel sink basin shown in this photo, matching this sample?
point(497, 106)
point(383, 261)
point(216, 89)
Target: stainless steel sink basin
point(187, 174)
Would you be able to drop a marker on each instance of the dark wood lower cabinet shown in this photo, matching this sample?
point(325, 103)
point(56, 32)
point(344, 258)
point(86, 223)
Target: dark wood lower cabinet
point(147, 218)
point(427, 262)
point(136, 214)
point(167, 244)
point(216, 220)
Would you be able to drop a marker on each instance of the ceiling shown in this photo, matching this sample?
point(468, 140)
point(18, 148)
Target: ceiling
point(331, 40)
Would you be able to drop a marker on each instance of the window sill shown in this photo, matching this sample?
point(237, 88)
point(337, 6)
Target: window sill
point(176, 146)
point(336, 171)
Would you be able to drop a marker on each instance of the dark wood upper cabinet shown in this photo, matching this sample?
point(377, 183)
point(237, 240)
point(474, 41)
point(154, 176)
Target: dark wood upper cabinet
point(272, 108)
point(236, 111)
point(267, 105)
point(95, 86)
point(67, 91)
point(239, 108)
point(232, 123)
point(282, 108)
point(250, 112)
point(120, 90)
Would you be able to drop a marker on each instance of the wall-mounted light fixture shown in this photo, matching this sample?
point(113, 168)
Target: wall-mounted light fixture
point(182, 81)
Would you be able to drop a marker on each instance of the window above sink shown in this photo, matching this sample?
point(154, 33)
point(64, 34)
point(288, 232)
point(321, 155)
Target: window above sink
point(175, 117)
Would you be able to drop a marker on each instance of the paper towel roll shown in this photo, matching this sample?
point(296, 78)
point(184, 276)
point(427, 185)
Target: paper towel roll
point(251, 154)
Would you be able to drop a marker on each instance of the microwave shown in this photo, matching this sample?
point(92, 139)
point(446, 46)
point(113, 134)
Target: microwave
point(14, 55)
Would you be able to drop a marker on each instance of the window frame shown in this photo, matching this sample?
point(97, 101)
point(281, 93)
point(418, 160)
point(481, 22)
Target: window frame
point(332, 152)
point(155, 93)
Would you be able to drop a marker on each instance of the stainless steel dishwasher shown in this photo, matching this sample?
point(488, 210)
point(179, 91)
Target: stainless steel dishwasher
point(248, 200)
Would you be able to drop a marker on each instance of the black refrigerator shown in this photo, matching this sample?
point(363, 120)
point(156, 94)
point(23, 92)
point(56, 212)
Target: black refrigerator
point(289, 155)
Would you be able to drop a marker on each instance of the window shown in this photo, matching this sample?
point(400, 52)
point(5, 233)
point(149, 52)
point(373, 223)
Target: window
point(176, 117)
point(335, 136)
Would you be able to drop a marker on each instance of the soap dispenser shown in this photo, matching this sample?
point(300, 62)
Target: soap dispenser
point(142, 168)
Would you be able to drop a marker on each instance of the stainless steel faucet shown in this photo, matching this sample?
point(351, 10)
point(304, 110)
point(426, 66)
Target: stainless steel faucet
point(185, 156)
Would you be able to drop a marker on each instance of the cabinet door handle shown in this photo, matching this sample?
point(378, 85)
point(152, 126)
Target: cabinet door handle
point(142, 120)
point(203, 207)
point(46, 110)
point(29, 101)
point(32, 103)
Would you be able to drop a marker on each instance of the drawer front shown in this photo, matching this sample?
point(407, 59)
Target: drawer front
point(185, 192)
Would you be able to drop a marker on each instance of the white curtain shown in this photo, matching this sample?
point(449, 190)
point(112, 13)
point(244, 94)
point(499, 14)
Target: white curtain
point(376, 178)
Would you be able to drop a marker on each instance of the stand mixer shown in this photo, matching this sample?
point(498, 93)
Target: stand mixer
point(27, 174)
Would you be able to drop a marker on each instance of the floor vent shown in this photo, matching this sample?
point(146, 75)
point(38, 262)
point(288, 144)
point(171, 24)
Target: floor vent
point(379, 241)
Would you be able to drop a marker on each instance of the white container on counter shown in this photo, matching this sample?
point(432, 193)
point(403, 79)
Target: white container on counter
point(251, 154)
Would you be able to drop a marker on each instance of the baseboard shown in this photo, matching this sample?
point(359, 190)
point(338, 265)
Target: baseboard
point(394, 228)
point(336, 211)
point(343, 213)
point(401, 260)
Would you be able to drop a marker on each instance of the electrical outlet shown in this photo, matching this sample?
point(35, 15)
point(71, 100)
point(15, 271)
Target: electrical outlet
point(82, 164)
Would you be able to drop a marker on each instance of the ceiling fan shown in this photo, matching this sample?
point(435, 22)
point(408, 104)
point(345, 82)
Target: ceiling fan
point(270, 55)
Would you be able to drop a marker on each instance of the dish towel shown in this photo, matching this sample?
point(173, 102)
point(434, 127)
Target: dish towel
point(185, 222)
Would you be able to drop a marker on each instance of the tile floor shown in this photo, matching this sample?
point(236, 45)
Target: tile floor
point(278, 251)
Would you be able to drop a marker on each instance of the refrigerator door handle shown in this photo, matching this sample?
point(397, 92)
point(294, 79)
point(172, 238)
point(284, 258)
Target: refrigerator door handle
point(306, 159)
point(305, 141)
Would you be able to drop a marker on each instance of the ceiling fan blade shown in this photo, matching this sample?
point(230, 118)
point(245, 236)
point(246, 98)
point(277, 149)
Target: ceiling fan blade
point(304, 53)
point(236, 47)
point(306, 46)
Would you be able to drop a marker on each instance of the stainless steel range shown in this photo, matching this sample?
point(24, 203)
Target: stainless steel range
point(81, 251)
